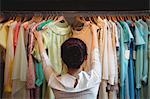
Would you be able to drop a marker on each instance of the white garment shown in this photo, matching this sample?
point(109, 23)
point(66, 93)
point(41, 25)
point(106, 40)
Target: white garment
point(104, 57)
point(105, 70)
point(88, 82)
point(111, 56)
point(115, 41)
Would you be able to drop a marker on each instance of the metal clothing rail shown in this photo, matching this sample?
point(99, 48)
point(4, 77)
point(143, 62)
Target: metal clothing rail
point(75, 13)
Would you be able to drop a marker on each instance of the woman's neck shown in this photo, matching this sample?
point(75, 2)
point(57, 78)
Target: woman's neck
point(74, 72)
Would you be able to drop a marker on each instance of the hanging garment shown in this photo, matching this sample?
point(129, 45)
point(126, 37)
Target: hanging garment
point(88, 41)
point(148, 92)
point(20, 68)
point(17, 28)
point(103, 94)
point(127, 41)
point(1, 69)
point(4, 34)
point(9, 59)
point(115, 44)
point(114, 41)
point(125, 36)
point(31, 65)
point(39, 74)
point(111, 56)
point(2, 64)
point(139, 58)
point(131, 66)
point(101, 25)
point(144, 30)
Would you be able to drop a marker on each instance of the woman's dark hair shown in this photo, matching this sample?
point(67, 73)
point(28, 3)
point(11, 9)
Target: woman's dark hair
point(73, 52)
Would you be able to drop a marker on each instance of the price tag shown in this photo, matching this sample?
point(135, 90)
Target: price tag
point(127, 54)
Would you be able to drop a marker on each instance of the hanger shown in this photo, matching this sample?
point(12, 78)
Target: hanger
point(95, 19)
point(10, 18)
point(13, 18)
point(61, 18)
point(121, 18)
point(113, 18)
point(125, 18)
point(118, 18)
point(35, 19)
point(136, 17)
point(18, 18)
point(109, 18)
point(133, 18)
point(24, 19)
point(129, 18)
point(56, 16)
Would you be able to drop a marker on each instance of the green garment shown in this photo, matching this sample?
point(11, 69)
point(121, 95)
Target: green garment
point(147, 91)
point(40, 27)
point(139, 54)
point(145, 32)
point(125, 39)
point(144, 29)
point(149, 66)
point(39, 74)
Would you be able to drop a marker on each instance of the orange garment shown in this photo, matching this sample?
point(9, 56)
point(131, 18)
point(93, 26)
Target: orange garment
point(86, 36)
point(17, 28)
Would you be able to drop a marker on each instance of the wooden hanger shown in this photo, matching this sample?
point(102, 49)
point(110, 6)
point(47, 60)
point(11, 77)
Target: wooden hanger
point(56, 17)
point(129, 18)
point(95, 19)
point(10, 18)
point(25, 19)
point(137, 17)
point(61, 18)
point(133, 18)
point(18, 18)
point(46, 18)
point(122, 18)
point(113, 18)
point(125, 18)
point(118, 18)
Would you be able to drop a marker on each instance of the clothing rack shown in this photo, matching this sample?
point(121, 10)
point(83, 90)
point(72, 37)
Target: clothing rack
point(75, 13)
